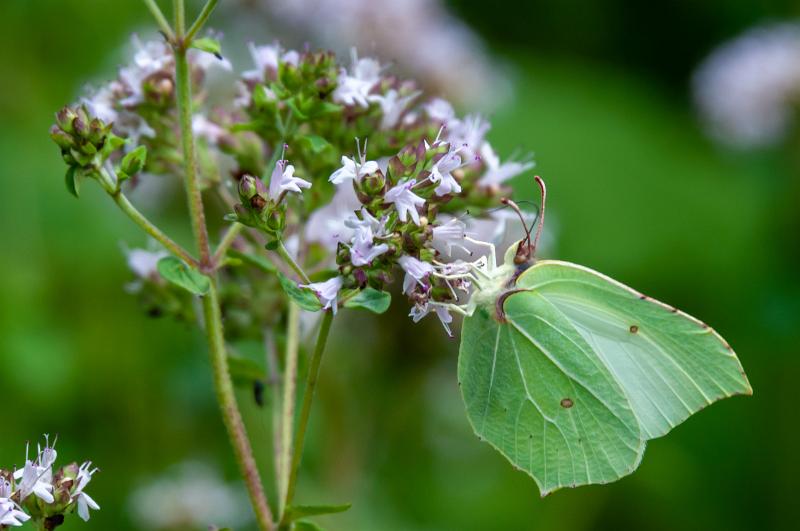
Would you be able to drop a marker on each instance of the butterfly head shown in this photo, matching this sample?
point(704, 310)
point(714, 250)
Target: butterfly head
point(523, 253)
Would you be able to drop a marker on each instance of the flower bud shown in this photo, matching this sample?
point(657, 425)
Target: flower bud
point(247, 187)
point(276, 220)
point(64, 119)
point(133, 162)
point(61, 138)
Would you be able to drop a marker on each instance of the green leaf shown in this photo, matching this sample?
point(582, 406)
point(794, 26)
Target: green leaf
point(370, 299)
point(209, 45)
point(316, 143)
point(305, 525)
point(292, 104)
point(304, 297)
point(260, 262)
point(296, 512)
point(578, 371)
point(133, 162)
point(73, 181)
point(245, 369)
point(175, 271)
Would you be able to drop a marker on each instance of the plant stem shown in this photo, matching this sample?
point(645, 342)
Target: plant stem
point(308, 396)
point(273, 375)
point(111, 187)
point(180, 17)
point(223, 384)
point(284, 253)
point(200, 21)
point(227, 240)
point(289, 402)
point(161, 20)
point(193, 193)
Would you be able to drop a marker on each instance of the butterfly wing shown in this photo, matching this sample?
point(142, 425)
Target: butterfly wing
point(581, 371)
point(669, 364)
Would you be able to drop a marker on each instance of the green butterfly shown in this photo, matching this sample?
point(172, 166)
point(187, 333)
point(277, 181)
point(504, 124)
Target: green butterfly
point(568, 373)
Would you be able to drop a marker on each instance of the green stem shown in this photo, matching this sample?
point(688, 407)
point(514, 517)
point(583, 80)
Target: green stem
point(161, 20)
point(289, 402)
point(227, 240)
point(200, 21)
point(223, 384)
point(284, 253)
point(180, 17)
point(126, 206)
point(308, 397)
point(193, 193)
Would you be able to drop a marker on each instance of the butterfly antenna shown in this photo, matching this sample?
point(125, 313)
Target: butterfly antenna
point(524, 249)
point(540, 217)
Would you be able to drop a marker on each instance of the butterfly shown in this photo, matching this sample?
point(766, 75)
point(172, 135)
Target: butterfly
point(568, 373)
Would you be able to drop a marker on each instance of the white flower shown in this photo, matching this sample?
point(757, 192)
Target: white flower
point(747, 91)
point(101, 102)
point(450, 234)
point(204, 128)
point(266, 59)
point(416, 270)
point(418, 311)
point(35, 479)
point(327, 292)
point(328, 225)
point(440, 110)
point(405, 201)
point(442, 172)
point(150, 57)
point(468, 133)
point(283, 180)
point(497, 173)
point(189, 496)
point(84, 501)
point(144, 262)
point(362, 248)
point(392, 106)
point(10, 513)
point(353, 87)
point(353, 170)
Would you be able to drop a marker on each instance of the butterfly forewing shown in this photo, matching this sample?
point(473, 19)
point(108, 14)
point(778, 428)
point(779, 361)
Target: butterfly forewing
point(669, 364)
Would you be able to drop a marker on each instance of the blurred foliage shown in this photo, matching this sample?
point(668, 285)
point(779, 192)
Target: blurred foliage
point(636, 192)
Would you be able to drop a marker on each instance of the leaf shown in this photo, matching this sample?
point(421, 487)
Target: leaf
point(209, 45)
point(244, 369)
point(579, 371)
point(316, 143)
point(175, 271)
point(304, 297)
point(305, 525)
point(370, 299)
point(73, 181)
point(133, 162)
point(260, 262)
point(296, 512)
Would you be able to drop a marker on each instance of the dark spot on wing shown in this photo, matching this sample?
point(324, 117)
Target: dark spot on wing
point(567, 403)
point(634, 329)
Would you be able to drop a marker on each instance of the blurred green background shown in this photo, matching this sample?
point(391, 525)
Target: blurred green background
point(636, 191)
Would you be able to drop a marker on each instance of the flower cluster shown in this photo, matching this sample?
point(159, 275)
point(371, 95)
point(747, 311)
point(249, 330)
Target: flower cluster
point(38, 492)
point(347, 170)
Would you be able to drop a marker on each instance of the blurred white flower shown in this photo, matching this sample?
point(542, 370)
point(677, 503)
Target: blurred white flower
point(266, 60)
point(441, 172)
point(393, 106)
point(747, 90)
point(353, 170)
point(144, 262)
point(36, 478)
point(418, 311)
point(497, 173)
point(328, 225)
point(149, 57)
point(353, 86)
point(204, 128)
point(190, 496)
point(449, 234)
point(10, 513)
point(327, 292)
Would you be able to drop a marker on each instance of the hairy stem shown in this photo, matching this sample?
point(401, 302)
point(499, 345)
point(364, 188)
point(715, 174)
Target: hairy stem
point(112, 188)
point(200, 21)
point(194, 196)
point(284, 253)
point(161, 20)
point(305, 411)
point(223, 385)
point(289, 402)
